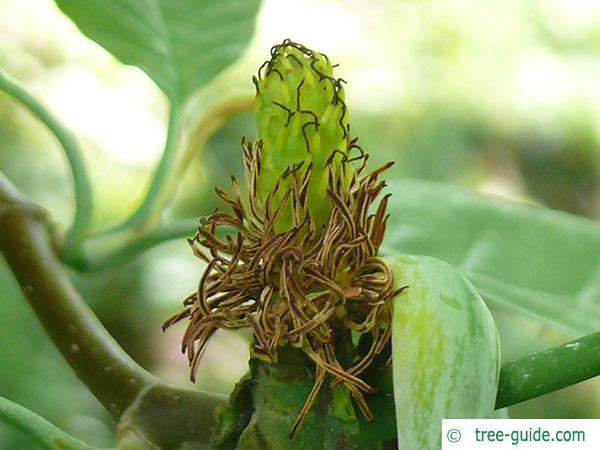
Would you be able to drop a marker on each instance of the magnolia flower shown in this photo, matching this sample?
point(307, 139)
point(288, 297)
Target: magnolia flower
point(294, 257)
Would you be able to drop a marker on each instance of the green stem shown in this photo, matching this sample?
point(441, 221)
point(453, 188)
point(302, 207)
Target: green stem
point(168, 417)
point(44, 433)
point(548, 371)
point(144, 229)
point(105, 251)
point(112, 376)
point(151, 206)
point(213, 116)
point(153, 412)
point(83, 190)
point(172, 166)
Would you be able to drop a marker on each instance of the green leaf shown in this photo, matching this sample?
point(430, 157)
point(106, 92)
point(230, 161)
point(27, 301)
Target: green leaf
point(536, 261)
point(445, 348)
point(180, 44)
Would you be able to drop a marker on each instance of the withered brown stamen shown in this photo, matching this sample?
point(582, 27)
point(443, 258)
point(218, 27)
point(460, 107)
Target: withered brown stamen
point(301, 286)
point(319, 378)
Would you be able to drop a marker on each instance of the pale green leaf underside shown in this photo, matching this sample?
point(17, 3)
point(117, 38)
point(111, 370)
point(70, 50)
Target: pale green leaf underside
point(445, 348)
point(532, 260)
point(180, 44)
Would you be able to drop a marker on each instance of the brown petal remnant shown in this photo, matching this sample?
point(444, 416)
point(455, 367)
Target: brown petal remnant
point(297, 287)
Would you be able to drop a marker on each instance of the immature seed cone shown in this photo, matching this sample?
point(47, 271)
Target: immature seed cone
point(296, 280)
point(301, 117)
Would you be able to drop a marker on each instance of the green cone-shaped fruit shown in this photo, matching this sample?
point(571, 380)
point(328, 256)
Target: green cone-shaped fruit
point(301, 118)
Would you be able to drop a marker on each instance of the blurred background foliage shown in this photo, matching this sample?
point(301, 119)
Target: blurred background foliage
point(497, 97)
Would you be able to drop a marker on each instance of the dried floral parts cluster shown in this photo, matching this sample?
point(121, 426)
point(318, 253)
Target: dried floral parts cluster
point(301, 267)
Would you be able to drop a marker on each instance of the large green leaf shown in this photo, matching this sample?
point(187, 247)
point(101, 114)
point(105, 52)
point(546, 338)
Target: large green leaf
point(532, 260)
point(180, 44)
